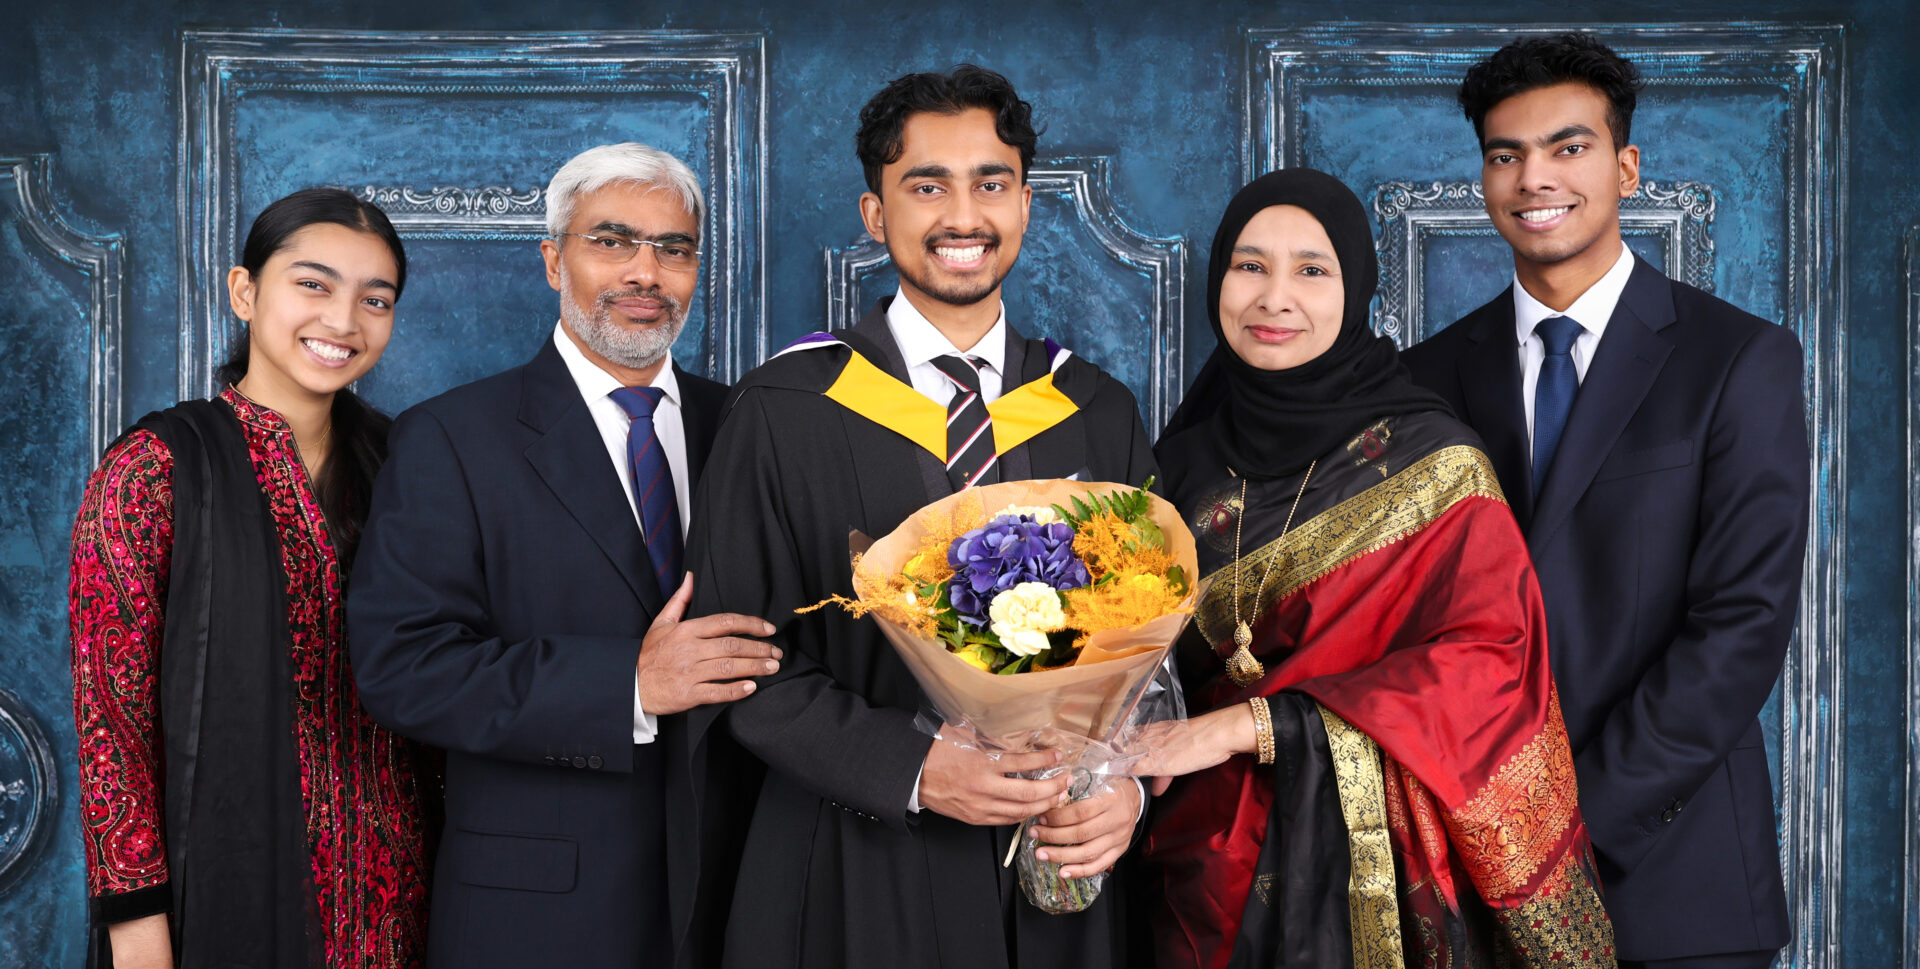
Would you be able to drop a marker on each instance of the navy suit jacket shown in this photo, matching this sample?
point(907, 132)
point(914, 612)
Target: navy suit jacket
point(1669, 538)
point(499, 598)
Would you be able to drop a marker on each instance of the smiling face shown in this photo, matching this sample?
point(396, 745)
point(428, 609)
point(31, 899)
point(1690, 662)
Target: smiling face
point(1282, 298)
point(623, 310)
point(319, 312)
point(1554, 179)
point(952, 209)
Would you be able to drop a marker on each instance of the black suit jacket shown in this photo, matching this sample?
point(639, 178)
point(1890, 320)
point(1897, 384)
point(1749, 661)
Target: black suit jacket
point(1669, 538)
point(499, 598)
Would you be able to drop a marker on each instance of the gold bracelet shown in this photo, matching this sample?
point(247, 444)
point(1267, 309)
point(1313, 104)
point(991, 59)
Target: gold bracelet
point(1262, 728)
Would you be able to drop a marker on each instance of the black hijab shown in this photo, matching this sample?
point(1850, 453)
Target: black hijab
point(1273, 423)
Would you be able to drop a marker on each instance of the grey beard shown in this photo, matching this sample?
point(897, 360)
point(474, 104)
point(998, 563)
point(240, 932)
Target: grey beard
point(634, 349)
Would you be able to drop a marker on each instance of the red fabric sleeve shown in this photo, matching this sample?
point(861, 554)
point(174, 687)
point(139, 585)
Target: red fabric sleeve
point(122, 551)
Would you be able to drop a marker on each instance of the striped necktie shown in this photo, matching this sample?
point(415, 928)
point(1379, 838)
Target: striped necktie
point(971, 459)
point(652, 485)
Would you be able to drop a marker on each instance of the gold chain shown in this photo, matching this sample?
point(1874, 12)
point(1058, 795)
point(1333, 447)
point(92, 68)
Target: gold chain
point(1241, 666)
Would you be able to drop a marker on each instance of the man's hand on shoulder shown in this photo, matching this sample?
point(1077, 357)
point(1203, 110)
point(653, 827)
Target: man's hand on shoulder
point(688, 663)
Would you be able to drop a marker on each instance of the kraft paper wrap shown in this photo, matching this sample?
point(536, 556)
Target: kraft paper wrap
point(1092, 698)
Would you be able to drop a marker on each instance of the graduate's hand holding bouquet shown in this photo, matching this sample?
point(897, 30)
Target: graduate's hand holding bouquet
point(1034, 615)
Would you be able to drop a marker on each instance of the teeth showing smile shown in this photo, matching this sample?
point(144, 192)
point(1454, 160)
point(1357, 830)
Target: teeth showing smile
point(968, 254)
point(1542, 215)
point(326, 351)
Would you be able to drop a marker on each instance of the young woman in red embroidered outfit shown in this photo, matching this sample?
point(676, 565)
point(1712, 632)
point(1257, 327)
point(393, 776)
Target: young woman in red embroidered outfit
point(238, 806)
point(1383, 778)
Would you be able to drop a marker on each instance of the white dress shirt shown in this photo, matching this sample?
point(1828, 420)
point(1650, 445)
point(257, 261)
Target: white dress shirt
point(596, 388)
point(1592, 311)
point(920, 342)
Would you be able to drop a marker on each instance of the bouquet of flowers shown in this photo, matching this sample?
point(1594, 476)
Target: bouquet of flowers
point(1036, 613)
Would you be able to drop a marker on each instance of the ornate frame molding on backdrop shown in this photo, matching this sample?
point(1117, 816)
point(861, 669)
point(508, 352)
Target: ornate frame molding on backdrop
point(102, 260)
point(1679, 214)
point(1805, 61)
point(217, 66)
point(1084, 181)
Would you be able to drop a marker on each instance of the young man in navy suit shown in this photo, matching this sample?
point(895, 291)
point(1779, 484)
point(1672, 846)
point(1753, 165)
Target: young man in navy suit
point(1652, 441)
point(517, 600)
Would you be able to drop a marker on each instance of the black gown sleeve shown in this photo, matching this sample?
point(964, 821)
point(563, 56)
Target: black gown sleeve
point(746, 558)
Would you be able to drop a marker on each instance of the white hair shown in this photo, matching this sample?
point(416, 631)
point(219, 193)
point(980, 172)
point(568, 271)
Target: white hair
point(629, 161)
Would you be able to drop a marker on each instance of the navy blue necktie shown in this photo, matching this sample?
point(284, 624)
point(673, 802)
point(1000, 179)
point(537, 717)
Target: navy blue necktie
point(652, 485)
point(1553, 392)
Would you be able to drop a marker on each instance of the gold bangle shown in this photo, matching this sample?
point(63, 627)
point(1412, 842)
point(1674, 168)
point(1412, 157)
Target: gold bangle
point(1262, 728)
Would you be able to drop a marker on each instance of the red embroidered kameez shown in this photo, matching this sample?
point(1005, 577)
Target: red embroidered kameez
point(363, 788)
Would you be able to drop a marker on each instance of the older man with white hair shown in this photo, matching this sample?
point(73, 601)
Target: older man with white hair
point(518, 601)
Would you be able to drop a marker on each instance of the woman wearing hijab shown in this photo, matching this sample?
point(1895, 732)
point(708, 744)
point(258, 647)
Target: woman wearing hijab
point(1384, 777)
point(237, 805)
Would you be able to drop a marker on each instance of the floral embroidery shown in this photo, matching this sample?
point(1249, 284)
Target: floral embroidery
point(360, 785)
point(1520, 820)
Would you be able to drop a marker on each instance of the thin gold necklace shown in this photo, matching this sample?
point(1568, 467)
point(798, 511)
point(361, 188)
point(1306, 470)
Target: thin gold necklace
point(1241, 666)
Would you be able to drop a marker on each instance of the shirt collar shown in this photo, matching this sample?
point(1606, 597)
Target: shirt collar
point(1592, 310)
point(920, 341)
point(595, 383)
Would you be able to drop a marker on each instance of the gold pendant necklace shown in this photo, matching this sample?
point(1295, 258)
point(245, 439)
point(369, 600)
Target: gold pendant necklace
point(1241, 666)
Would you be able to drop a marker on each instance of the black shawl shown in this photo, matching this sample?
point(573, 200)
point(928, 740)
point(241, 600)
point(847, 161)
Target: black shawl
point(240, 880)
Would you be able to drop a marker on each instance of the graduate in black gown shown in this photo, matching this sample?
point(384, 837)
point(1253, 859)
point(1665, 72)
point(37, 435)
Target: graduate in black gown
point(873, 844)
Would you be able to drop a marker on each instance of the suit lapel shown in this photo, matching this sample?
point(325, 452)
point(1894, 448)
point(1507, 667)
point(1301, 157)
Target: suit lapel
point(1490, 385)
point(697, 428)
point(1630, 356)
point(571, 458)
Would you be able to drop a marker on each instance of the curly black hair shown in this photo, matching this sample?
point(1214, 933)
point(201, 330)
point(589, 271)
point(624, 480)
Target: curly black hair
point(883, 120)
point(1537, 62)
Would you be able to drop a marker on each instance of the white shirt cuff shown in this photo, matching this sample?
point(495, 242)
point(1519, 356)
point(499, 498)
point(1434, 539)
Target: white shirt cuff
point(645, 726)
point(913, 803)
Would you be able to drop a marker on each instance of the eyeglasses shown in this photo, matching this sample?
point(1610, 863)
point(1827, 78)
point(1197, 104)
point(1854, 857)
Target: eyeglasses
point(676, 255)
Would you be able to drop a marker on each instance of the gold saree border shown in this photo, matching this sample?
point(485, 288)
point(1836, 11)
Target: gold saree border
point(1369, 521)
point(1373, 907)
point(1513, 825)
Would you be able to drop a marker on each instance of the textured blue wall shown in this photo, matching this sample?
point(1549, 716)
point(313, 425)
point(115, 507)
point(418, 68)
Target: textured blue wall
point(1158, 88)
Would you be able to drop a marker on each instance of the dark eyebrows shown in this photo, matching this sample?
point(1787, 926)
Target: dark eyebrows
point(1569, 132)
point(1245, 249)
point(1313, 254)
point(334, 274)
point(318, 267)
point(1513, 144)
point(982, 170)
point(927, 171)
point(623, 229)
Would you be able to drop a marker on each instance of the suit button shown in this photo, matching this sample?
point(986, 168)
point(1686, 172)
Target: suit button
point(549, 760)
point(595, 762)
point(579, 761)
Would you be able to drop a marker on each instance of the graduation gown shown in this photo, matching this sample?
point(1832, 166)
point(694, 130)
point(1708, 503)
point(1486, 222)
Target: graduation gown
point(836, 870)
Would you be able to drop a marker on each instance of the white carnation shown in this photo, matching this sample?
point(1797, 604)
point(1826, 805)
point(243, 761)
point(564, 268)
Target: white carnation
point(1023, 616)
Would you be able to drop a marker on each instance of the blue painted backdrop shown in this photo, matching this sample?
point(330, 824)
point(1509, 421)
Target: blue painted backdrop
point(135, 144)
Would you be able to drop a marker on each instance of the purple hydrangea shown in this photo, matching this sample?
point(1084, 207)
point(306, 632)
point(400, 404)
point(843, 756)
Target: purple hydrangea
point(1007, 551)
